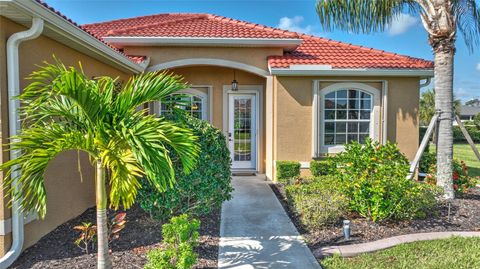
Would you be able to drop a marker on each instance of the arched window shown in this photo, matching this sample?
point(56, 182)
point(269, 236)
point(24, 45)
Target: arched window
point(349, 112)
point(195, 102)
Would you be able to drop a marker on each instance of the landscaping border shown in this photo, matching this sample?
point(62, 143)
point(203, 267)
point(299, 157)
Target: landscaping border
point(357, 249)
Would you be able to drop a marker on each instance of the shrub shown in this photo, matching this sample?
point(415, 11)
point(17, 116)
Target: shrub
point(180, 236)
point(476, 121)
point(473, 131)
point(319, 202)
point(323, 167)
point(462, 181)
point(375, 180)
point(287, 170)
point(428, 159)
point(205, 188)
point(458, 137)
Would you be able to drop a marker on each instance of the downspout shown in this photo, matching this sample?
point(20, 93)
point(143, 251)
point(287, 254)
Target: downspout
point(426, 83)
point(13, 80)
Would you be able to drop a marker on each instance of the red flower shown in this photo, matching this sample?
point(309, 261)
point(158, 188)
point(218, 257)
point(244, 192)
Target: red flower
point(455, 175)
point(455, 186)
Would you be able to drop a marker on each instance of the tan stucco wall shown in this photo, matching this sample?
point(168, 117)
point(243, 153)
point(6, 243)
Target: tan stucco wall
point(67, 195)
point(252, 56)
point(293, 109)
point(217, 77)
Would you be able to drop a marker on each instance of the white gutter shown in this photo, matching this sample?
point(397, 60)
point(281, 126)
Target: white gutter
point(306, 70)
point(426, 83)
point(72, 32)
point(119, 41)
point(14, 126)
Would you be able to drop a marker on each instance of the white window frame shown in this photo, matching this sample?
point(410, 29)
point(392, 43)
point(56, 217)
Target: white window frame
point(205, 97)
point(319, 126)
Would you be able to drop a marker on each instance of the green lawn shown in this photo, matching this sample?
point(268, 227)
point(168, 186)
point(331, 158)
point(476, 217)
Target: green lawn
point(456, 252)
point(465, 153)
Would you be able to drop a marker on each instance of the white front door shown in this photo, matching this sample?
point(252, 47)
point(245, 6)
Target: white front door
point(242, 130)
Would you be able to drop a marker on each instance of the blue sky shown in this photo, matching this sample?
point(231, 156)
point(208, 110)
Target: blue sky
point(405, 36)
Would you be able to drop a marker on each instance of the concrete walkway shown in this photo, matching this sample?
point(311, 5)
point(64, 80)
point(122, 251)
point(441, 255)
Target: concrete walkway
point(257, 233)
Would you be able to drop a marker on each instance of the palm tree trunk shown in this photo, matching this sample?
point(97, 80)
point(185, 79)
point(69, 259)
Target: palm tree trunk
point(103, 259)
point(444, 103)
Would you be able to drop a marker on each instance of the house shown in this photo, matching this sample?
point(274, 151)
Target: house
point(276, 94)
point(468, 112)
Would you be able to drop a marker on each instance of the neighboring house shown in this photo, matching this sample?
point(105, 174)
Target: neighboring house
point(299, 96)
point(468, 112)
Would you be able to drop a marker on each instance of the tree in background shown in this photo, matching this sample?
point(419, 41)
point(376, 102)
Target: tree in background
point(441, 19)
point(64, 110)
point(473, 102)
point(427, 106)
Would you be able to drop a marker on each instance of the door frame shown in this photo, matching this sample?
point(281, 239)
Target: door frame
point(246, 89)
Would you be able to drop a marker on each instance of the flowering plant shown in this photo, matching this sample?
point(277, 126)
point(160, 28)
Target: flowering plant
point(462, 182)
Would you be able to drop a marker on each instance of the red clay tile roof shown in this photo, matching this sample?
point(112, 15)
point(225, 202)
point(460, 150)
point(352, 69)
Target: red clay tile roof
point(313, 50)
point(322, 51)
point(186, 25)
point(134, 59)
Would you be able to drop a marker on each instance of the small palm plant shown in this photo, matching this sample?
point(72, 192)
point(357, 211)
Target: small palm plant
point(64, 110)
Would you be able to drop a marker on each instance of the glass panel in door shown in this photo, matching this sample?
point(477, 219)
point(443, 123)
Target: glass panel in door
point(242, 131)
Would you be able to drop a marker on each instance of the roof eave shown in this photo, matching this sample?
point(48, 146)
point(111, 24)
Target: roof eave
point(124, 41)
point(315, 71)
point(73, 33)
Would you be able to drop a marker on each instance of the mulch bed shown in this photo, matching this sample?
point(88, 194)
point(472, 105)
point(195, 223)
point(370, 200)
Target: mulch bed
point(464, 216)
point(57, 249)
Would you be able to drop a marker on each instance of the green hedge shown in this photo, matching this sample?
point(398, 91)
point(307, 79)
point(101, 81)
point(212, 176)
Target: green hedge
point(322, 167)
point(458, 135)
point(319, 202)
point(287, 170)
point(205, 188)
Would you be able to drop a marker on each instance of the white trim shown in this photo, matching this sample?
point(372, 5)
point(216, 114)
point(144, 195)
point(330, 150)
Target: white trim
point(319, 71)
point(246, 89)
point(210, 102)
point(315, 119)
point(120, 41)
point(374, 119)
point(385, 112)
point(61, 26)
point(269, 128)
point(209, 61)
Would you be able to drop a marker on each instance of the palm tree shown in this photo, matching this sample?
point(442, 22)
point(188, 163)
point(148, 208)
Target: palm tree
point(427, 106)
point(64, 110)
point(441, 19)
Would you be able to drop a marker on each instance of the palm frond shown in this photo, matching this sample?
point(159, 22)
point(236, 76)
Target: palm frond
point(64, 110)
point(150, 138)
point(58, 80)
point(38, 146)
point(125, 173)
point(467, 17)
point(147, 87)
point(362, 16)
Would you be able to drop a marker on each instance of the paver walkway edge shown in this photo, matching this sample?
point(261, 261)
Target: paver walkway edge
point(357, 249)
point(256, 232)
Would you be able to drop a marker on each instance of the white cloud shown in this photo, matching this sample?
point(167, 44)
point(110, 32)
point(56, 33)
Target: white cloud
point(478, 67)
point(294, 25)
point(401, 24)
